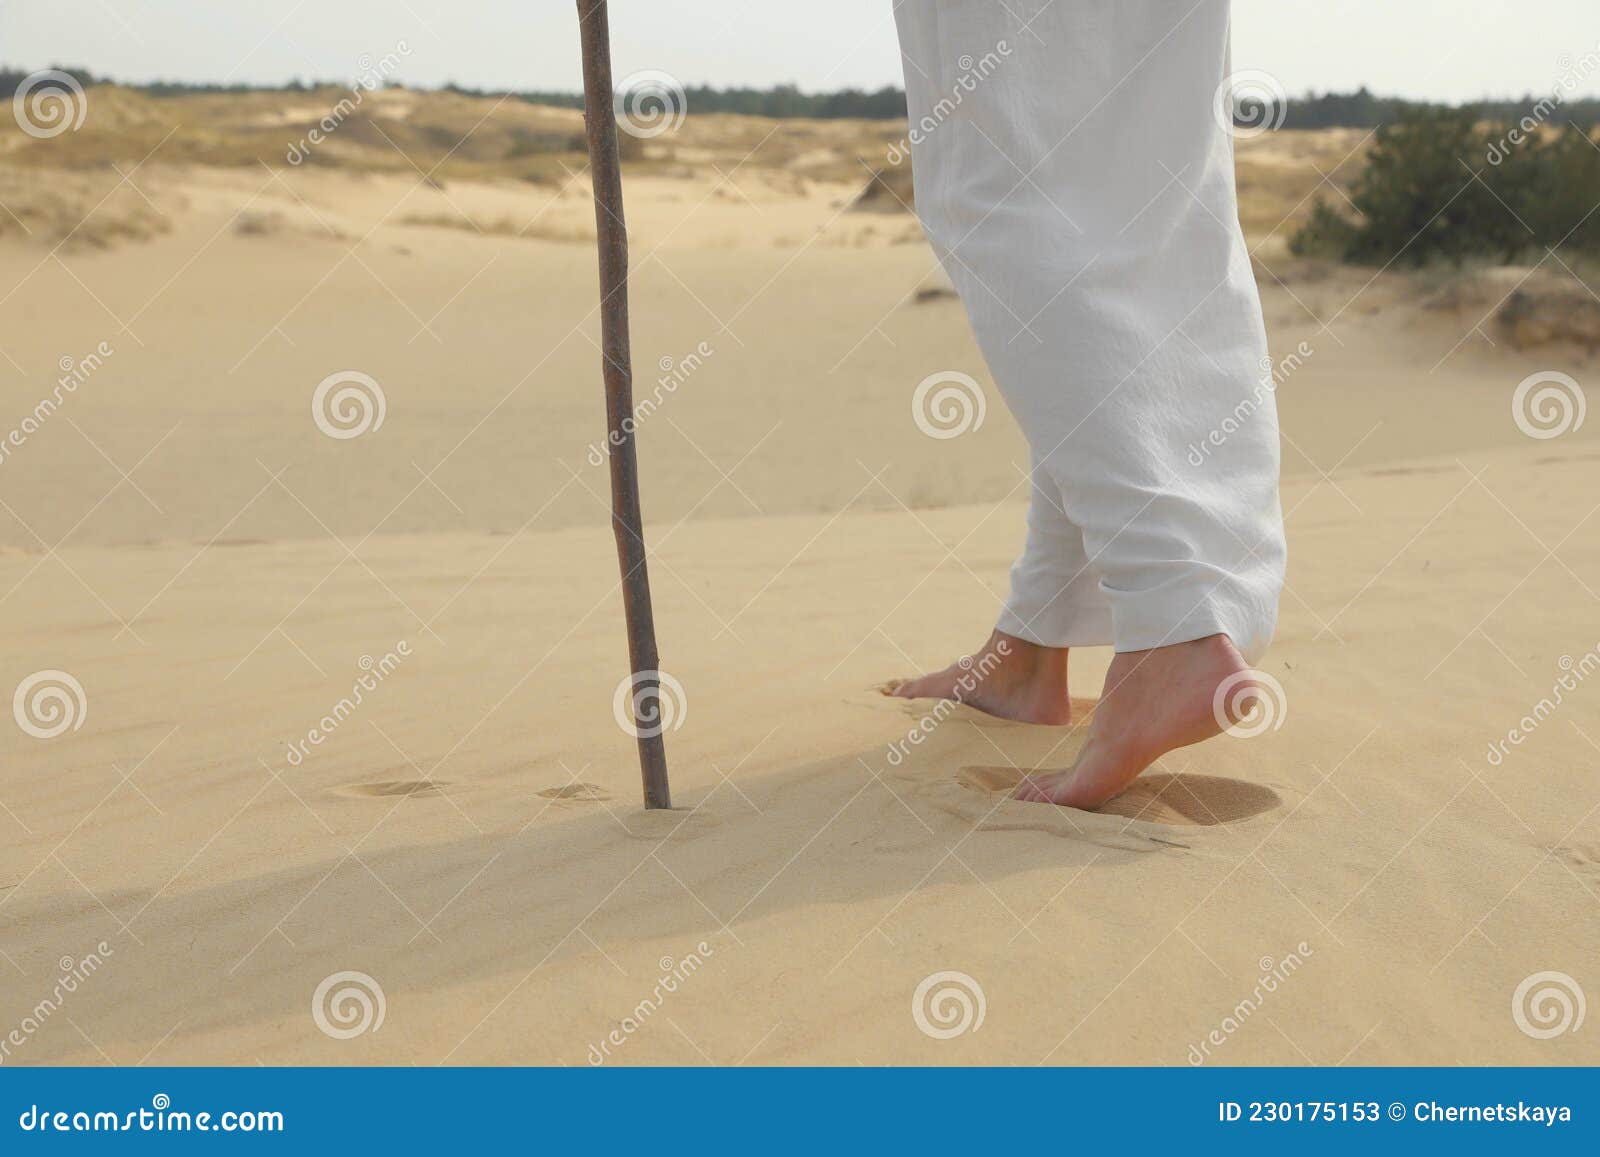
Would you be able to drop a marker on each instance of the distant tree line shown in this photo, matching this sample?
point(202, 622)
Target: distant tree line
point(1358, 110)
point(11, 79)
point(1362, 110)
point(781, 102)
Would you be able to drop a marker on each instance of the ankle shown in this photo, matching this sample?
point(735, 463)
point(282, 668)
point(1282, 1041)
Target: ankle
point(1026, 660)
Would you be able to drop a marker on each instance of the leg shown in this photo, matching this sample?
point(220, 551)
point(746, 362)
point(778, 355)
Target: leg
point(1007, 677)
point(1055, 603)
point(1081, 194)
point(1055, 599)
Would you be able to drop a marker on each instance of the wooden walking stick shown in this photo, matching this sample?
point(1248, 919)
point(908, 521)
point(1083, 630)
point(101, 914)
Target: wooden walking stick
point(611, 230)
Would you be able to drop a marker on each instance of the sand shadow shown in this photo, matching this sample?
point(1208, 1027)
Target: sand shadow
point(1157, 797)
point(571, 869)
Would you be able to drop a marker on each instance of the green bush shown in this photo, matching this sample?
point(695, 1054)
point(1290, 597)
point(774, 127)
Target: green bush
point(1440, 184)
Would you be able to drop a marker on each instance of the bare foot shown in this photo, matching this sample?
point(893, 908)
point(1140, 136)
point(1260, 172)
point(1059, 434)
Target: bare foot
point(1009, 678)
point(1154, 702)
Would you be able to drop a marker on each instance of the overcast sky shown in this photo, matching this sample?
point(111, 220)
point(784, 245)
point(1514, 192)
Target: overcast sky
point(1438, 49)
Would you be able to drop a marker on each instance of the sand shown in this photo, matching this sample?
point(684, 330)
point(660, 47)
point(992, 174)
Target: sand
point(1368, 883)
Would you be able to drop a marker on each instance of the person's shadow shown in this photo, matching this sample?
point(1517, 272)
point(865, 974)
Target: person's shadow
point(585, 874)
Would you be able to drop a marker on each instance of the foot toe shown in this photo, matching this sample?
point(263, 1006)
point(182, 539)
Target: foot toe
point(904, 689)
point(1029, 791)
point(922, 687)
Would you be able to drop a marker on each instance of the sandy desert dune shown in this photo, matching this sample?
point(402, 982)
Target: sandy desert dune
point(1367, 883)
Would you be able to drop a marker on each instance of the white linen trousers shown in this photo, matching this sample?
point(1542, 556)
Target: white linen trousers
point(1075, 177)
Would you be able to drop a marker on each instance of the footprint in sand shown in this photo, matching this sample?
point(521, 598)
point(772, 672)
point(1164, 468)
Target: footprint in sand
point(1175, 800)
point(1584, 857)
point(577, 793)
point(388, 787)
